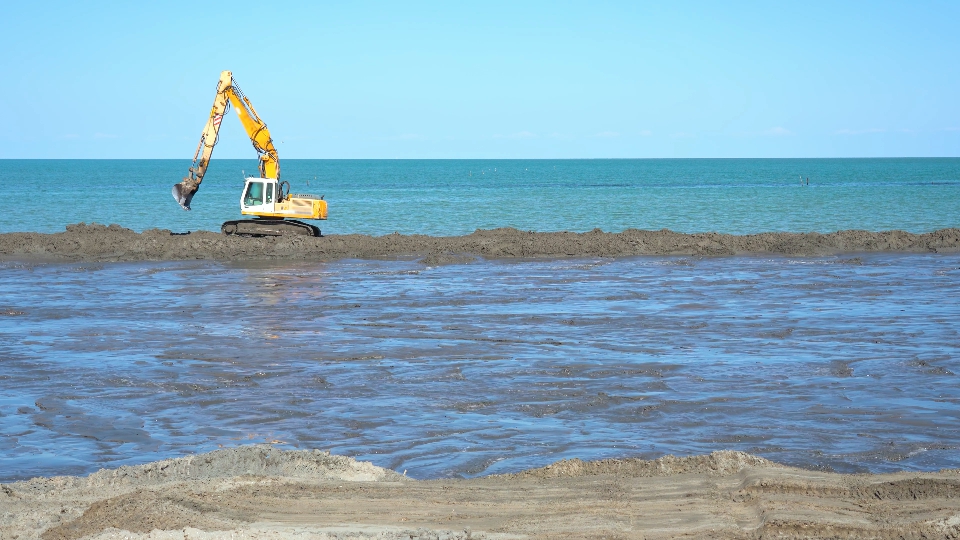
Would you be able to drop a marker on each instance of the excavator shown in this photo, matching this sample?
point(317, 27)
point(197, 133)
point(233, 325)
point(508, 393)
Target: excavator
point(276, 210)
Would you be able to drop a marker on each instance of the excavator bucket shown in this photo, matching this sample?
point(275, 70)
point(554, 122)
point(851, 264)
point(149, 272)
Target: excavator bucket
point(183, 194)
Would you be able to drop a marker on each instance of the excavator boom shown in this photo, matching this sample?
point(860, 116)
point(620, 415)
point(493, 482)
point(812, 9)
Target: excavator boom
point(258, 133)
point(228, 93)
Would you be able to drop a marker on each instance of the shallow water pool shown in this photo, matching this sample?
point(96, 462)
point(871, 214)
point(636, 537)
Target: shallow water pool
point(843, 363)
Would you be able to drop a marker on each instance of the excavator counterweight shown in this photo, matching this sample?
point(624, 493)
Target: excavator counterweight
point(266, 197)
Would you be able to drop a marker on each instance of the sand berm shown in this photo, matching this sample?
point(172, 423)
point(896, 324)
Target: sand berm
point(94, 242)
point(260, 491)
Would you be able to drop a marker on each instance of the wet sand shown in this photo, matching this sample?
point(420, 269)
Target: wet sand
point(262, 492)
point(114, 243)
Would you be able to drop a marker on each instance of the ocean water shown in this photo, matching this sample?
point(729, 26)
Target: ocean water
point(452, 197)
point(839, 363)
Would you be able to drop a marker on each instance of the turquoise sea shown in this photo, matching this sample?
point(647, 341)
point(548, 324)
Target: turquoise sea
point(452, 197)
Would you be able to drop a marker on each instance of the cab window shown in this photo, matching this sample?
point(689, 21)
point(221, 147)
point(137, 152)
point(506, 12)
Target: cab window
point(254, 194)
point(270, 193)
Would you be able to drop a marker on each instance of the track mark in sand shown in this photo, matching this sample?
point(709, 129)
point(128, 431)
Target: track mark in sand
point(815, 506)
point(898, 490)
point(912, 489)
point(788, 529)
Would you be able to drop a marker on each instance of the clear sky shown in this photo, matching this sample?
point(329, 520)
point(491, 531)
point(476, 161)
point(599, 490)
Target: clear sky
point(485, 79)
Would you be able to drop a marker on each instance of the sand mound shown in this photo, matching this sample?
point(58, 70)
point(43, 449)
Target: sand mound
point(161, 495)
point(114, 243)
point(720, 463)
point(140, 512)
point(253, 460)
point(261, 492)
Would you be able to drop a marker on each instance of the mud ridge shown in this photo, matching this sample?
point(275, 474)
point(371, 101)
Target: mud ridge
point(94, 242)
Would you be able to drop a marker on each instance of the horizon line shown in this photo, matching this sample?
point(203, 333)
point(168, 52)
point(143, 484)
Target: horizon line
point(476, 159)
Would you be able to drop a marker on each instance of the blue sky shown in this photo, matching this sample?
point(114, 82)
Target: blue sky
point(486, 79)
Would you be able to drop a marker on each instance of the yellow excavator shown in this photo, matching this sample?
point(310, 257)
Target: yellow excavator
point(276, 210)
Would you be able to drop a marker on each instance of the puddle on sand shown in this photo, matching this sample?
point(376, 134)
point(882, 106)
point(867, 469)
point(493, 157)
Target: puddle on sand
point(483, 368)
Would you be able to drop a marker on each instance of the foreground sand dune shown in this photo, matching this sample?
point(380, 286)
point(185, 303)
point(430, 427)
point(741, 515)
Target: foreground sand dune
point(114, 243)
point(262, 492)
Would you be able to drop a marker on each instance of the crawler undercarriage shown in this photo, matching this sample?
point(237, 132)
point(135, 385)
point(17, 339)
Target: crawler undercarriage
point(269, 227)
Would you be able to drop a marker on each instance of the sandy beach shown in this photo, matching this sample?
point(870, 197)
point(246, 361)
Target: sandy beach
point(96, 242)
point(263, 492)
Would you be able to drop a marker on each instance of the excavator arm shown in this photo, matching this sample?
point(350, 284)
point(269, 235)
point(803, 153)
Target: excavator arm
point(228, 93)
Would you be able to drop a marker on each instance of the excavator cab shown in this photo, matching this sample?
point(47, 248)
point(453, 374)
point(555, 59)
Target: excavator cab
point(258, 193)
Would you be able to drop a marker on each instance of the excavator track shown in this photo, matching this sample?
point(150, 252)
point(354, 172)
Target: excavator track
point(269, 227)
